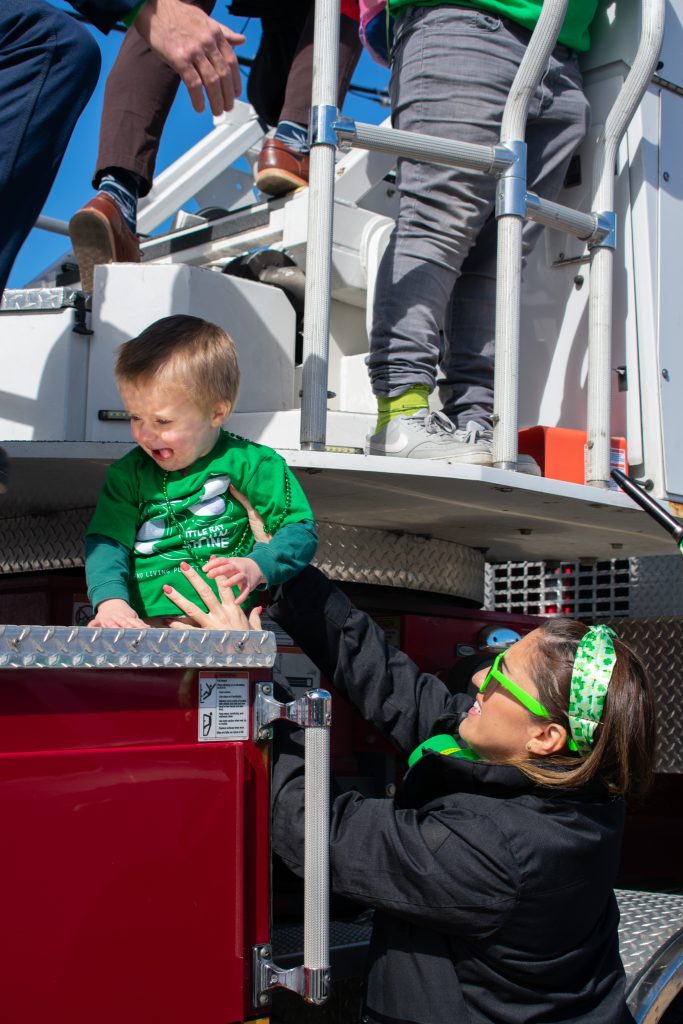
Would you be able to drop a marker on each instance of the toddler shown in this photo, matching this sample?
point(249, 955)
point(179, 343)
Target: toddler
point(171, 499)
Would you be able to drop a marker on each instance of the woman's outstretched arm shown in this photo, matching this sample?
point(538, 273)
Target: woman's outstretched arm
point(353, 654)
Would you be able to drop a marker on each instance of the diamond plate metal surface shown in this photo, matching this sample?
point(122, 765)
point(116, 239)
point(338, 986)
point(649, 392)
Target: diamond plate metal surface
point(56, 647)
point(659, 642)
point(33, 543)
point(656, 586)
point(648, 921)
point(355, 555)
point(16, 300)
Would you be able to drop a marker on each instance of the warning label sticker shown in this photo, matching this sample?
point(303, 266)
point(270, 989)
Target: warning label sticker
point(223, 708)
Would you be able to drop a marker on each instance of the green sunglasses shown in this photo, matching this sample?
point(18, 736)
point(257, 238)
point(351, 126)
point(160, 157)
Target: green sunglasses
point(530, 703)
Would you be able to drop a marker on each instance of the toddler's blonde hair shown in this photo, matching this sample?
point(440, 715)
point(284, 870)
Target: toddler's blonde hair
point(186, 351)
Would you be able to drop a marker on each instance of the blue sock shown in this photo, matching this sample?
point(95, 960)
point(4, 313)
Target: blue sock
point(292, 134)
point(123, 187)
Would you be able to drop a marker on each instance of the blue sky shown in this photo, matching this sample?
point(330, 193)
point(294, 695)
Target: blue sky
point(184, 127)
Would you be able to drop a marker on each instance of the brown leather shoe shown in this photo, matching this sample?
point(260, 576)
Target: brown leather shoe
point(99, 234)
point(281, 169)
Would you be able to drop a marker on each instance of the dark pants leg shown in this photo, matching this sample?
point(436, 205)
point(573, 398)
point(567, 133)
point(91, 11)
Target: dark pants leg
point(297, 102)
point(48, 69)
point(137, 99)
point(281, 78)
point(267, 80)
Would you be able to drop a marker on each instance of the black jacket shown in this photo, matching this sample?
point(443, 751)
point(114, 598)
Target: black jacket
point(493, 897)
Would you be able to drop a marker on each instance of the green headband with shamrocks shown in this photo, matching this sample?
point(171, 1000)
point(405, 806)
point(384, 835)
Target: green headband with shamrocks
point(593, 665)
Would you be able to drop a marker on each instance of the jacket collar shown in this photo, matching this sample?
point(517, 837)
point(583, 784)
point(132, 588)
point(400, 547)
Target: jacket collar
point(435, 776)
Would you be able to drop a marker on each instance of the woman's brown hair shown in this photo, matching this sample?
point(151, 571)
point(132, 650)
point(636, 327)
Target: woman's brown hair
point(623, 750)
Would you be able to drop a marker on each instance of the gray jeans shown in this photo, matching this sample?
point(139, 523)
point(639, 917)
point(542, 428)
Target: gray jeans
point(435, 298)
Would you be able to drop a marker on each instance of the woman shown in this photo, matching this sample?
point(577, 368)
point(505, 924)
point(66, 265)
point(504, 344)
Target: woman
point(491, 873)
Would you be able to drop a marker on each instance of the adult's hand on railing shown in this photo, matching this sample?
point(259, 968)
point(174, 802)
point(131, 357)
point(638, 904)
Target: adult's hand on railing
point(223, 611)
point(197, 47)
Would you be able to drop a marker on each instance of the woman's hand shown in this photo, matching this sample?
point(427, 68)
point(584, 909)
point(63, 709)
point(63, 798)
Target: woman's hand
point(240, 572)
point(255, 521)
point(223, 611)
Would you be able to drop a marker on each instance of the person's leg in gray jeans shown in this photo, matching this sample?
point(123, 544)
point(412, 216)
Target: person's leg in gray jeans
point(558, 121)
point(453, 69)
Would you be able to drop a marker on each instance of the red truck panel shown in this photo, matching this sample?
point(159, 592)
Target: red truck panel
point(135, 859)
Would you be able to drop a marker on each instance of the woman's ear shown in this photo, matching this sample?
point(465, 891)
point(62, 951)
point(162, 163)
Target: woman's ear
point(547, 739)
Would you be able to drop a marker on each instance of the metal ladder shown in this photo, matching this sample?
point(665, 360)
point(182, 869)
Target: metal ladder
point(514, 204)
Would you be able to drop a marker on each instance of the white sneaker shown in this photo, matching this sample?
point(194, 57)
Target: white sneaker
point(431, 435)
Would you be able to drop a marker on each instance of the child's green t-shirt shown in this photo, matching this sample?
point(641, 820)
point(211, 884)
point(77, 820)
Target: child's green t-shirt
point(166, 518)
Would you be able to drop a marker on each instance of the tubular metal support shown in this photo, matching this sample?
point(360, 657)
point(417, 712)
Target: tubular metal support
point(317, 299)
point(506, 364)
point(585, 226)
point(416, 146)
point(510, 211)
point(509, 265)
point(236, 133)
point(601, 272)
point(313, 713)
point(57, 227)
point(317, 841)
point(532, 68)
point(319, 233)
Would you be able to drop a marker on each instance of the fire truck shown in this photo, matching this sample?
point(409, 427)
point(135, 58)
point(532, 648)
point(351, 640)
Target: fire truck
point(135, 764)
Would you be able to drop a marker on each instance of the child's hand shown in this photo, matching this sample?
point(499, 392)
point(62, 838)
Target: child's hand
point(117, 614)
point(223, 612)
point(239, 572)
